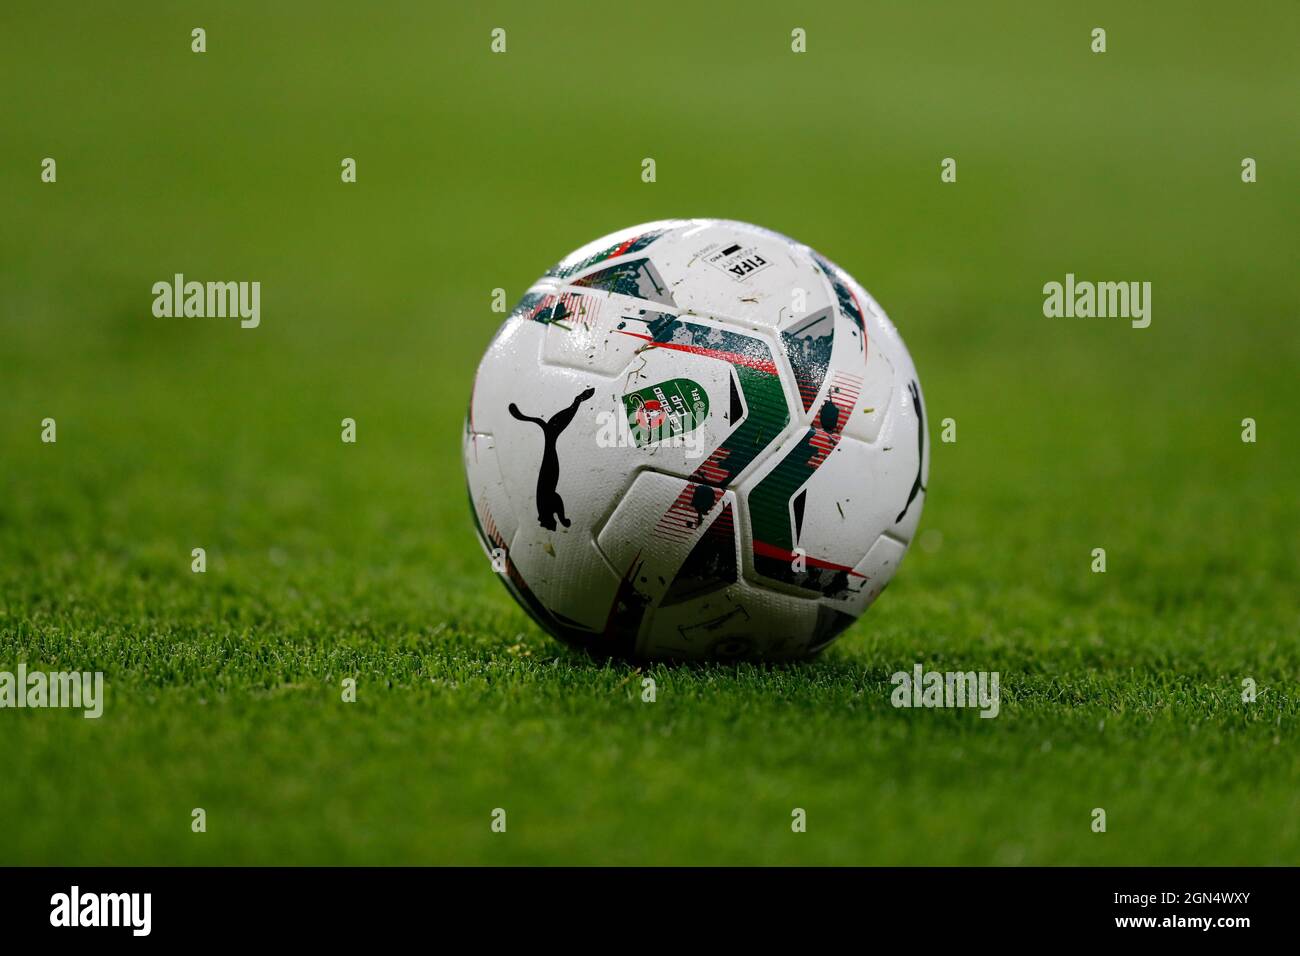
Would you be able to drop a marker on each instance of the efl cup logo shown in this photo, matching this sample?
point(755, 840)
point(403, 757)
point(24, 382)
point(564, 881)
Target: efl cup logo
point(665, 411)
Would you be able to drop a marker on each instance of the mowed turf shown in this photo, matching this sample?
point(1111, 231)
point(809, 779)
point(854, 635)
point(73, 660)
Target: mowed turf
point(326, 561)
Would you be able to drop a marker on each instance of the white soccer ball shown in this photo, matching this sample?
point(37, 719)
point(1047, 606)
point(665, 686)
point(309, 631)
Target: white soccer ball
point(696, 439)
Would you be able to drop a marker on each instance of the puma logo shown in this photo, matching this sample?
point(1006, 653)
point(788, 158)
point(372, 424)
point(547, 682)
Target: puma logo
point(549, 503)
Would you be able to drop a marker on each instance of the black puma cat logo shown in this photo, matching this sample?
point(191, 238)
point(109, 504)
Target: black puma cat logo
point(549, 503)
point(920, 453)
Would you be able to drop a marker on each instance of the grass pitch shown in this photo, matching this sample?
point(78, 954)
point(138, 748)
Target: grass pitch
point(1120, 691)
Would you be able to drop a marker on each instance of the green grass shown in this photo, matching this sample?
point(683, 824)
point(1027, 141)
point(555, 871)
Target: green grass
point(327, 561)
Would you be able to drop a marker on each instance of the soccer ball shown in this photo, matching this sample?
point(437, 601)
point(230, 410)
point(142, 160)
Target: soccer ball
point(696, 439)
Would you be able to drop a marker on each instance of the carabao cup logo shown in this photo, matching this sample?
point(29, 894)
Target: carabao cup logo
point(659, 412)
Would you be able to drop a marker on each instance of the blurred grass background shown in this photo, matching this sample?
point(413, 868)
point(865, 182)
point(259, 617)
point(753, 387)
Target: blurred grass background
point(476, 171)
